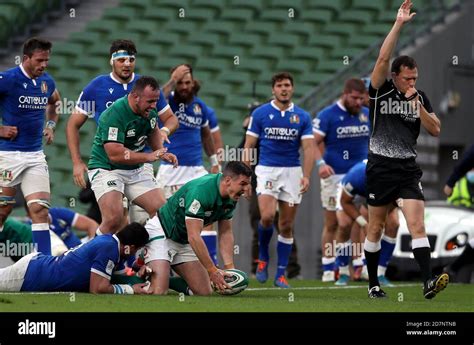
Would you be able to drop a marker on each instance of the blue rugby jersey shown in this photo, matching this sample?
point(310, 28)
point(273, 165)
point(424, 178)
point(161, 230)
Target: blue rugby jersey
point(279, 133)
point(186, 142)
point(354, 181)
point(346, 136)
point(23, 102)
point(71, 271)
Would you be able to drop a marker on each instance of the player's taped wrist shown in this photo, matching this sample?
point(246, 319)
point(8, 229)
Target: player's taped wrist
point(361, 220)
point(122, 289)
point(166, 130)
point(51, 125)
point(213, 160)
point(229, 266)
point(320, 162)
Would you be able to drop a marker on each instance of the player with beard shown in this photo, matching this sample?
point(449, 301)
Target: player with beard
point(100, 94)
point(341, 132)
point(281, 128)
point(187, 143)
point(27, 94)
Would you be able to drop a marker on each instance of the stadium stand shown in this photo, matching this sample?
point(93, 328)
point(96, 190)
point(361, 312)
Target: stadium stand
point(230, 43)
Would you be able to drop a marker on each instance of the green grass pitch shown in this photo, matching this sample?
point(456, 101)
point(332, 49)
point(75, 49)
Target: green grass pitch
point(305, 296)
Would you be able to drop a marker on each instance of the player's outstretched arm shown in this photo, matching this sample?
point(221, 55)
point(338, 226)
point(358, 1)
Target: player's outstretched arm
point(99, 285)
point(194, 227)
point(170, 124)
point(74, 124)
point(84, 223)
point(381, 68)
point(226, 242)
point(52, 116)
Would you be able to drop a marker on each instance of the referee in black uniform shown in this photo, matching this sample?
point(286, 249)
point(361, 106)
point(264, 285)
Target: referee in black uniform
point(397, 110)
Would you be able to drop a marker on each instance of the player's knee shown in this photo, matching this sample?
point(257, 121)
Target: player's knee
point(39, 210)
point(202, 291)
point(159, 291)
point(330, 227)
point(285, 226)
point(416, 228)
point(267, 219)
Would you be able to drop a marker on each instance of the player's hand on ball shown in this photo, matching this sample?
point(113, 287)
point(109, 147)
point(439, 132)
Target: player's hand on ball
point(49, 134)
point(142, 289)
point(8, 132)
point(217, 280)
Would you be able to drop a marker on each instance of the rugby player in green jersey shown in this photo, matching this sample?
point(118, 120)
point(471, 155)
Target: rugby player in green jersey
point(174, 232)
point(117, 157)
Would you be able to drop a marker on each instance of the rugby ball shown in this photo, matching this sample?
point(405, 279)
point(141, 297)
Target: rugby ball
point(238, 281)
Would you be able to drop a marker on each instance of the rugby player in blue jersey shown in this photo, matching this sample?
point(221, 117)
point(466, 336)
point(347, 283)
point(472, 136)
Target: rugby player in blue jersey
point(27, 93)
point(341, 131)
point(281, 128)
point(85, 268)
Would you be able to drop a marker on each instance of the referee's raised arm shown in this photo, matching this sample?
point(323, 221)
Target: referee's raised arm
point(381, 68)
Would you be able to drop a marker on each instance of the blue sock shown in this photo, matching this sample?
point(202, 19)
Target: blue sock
point(264, 237)
point(283, 250)
point(386, 251)
point(41, 237)
point(210, 239)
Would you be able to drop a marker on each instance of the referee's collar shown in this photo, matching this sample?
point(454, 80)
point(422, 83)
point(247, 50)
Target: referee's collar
point(290, 108)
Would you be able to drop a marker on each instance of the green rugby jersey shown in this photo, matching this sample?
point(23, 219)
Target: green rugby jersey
point(15, 233)
point(120, 124)
point(199, 198)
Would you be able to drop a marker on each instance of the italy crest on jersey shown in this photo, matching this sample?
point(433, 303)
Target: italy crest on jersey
point(44, 87)
point(363, 117)
point(294, 119)
point(197, 109)
point(7, 175)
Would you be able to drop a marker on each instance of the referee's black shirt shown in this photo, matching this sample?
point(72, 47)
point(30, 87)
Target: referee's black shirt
point(395, 125)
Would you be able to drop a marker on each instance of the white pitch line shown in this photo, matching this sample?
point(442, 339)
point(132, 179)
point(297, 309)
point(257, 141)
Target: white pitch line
point(327, 287)
point(35, 293)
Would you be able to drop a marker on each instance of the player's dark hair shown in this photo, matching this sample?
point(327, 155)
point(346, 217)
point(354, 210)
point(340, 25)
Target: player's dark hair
point(183, 64)
point(236, 168)
point(36, 43)
point(280, 76)
point(143, 82)
point(126, 45)
point(354, 84)
point(196, 87)
point(133, 234)
point(403, 60)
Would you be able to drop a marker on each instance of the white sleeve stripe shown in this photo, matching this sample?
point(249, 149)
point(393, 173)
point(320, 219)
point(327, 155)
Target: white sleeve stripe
point(252, 134)
point(319, 132)
point(215, 129)
point(307, 136)
point(74, 220)
point(205, 124)
point(187, 217)
point(163, 110)
point(102, 274)
point(376, 95)
point(345, 191)
point(82, 111)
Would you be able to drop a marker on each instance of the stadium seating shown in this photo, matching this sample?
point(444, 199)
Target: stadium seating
point(230, 43)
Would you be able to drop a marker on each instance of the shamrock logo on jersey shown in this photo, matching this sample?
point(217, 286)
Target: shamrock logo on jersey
point(153, 123)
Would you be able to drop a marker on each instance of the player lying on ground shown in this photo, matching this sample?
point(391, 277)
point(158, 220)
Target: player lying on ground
point(85, 268)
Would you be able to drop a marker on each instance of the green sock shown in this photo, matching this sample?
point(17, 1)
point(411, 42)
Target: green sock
point(178, 284)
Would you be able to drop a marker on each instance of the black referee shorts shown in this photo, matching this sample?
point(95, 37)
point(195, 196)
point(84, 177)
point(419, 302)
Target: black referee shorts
point(389, 179)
